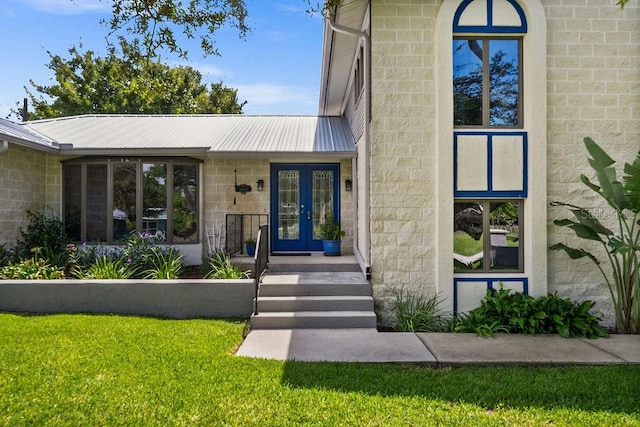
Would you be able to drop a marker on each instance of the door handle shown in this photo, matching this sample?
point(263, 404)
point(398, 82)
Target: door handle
point(309, 215)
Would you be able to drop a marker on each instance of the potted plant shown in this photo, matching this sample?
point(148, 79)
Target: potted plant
point(250, 245)
point(331, 234)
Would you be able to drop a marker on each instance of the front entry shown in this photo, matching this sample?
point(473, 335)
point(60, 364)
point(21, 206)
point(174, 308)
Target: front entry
point(302, 196)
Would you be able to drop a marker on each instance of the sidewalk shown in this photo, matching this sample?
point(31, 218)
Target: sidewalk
point(368, 345)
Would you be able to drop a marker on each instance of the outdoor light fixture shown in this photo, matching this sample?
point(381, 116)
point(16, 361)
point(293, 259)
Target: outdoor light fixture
point(242, 188)
point(348, 185)
point(260, 184)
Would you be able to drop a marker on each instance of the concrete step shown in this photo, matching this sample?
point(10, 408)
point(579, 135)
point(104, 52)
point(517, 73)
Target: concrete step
point(314, 320)
point(315, 267)
point(315, 284)
point(315, 303)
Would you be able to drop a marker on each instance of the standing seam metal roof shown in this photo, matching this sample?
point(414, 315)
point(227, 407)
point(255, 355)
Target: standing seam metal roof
point(211, 133)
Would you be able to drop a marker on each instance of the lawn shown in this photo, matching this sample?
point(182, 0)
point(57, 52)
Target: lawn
point(115, 370)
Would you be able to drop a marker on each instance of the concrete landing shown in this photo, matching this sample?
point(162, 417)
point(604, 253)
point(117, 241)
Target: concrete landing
point(368, 345)
point(335, 345)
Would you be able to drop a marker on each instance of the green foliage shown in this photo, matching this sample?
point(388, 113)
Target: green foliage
point(415, 312)
point(151, 25)
point(5, 256)
point(620, 246)
point(45, 231)
point(125, 83)
point(106, 268)
point(36, 268)
point(514, 312)
point(103, 370)
point(330, 229)
point(220, 267)
point(167, 264)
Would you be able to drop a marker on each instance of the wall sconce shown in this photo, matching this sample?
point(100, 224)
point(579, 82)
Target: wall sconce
point(260, 184)
point(348, 185)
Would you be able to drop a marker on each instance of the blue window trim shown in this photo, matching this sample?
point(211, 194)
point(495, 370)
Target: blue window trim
point(490, 285)
point(490, 192)
point(489, 28)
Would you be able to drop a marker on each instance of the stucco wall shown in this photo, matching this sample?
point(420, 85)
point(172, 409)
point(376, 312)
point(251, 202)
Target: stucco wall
point(24, 185)
point(593, 90)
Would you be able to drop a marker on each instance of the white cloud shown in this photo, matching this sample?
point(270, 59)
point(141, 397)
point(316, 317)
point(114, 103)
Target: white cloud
point(210, 73)
point(69, 7)
point(265, 98)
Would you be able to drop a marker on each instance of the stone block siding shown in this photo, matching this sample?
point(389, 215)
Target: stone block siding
point(593, 70)
point(23, 186)
point(403, 182)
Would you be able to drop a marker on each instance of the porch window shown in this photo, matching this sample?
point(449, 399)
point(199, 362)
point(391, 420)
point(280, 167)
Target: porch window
point(106, 200)
point(487, 236)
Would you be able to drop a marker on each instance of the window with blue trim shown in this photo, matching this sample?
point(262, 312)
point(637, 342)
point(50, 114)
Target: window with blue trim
point(487, 236)
point(486, 82)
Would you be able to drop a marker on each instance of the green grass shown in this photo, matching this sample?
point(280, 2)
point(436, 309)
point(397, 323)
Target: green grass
point(112, 370)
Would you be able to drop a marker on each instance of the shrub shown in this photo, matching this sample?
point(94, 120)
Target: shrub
point(220, 267)
point(504, 311)
point(164, 264)
point(45, 231)
point(35, 268)
point(415, 312)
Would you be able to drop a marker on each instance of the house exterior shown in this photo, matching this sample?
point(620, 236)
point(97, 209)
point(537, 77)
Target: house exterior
point(444, 130)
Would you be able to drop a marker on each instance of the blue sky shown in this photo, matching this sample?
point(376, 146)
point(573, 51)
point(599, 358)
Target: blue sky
point(276, 68)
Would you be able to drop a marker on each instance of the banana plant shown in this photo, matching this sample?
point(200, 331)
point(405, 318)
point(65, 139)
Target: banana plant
point(620, 245)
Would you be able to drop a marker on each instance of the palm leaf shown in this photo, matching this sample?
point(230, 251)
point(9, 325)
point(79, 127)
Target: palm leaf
point(610, 188)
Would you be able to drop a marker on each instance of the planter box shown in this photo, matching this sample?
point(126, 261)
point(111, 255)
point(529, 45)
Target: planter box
point(180, 299)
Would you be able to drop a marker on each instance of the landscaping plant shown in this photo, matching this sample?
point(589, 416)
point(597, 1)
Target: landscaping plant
point(164, 264)
point(502, 310)
point(34, 268)
point(415, 312)
point(46, 232)
point(619, 246)
point(107, 268)
point(220, 267)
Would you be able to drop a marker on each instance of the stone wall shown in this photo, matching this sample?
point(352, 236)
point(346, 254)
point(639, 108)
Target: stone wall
point(403, 179)
point(23, 186)
point(593, 90)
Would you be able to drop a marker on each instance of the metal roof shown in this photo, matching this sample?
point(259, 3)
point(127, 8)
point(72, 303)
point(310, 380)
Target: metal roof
point(17, 133)
point(231, 135)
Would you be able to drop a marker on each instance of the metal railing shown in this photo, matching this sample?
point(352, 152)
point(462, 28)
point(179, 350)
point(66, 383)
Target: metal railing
point(240, 228)
point(261, 259)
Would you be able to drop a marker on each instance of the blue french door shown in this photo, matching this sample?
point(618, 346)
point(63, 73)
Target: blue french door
point(302, 196)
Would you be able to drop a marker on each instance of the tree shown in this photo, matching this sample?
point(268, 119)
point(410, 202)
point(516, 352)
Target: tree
point(87, 84)
point(156, 22)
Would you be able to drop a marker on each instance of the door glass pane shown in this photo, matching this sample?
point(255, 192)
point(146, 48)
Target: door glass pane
point(468, 253)
point(289, 205)
point(503, 82)
point(124, 200)
point(154, 200)
point(322, 197)
point(72, 201)
point(505, 236)
point(97, 204)
point(467, 82)
point(185, 203)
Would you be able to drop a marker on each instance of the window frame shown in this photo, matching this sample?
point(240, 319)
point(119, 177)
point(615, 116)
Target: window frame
point(486, 89)
point(111, 162)
point(486, 235)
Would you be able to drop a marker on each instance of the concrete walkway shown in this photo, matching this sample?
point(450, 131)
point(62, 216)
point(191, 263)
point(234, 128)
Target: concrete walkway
point(368, 345)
